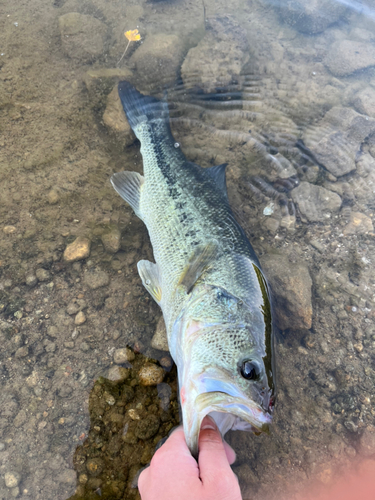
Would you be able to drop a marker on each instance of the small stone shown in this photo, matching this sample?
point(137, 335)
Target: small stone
point(358, 224)
point(69, 345)
point(42, 274)
point(22, 352)
point(133, 414)
point(80, 318)
point(83, 478)
point(364, 102)
point(12, 479)
point(95, 278)
point(9, 229)
point(20, 419)
point(147, 427)
point(53, 197)
point(18, 314)
point(31, 280)
point(123, 355)
point(159, 340)
point(94, 466)
point(15, 492)
point(84, 347)
point(118, 373)
point(111, 240)
point(151, 374)
point(78, 250)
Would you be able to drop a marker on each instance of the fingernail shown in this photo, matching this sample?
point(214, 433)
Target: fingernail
point(208, 423)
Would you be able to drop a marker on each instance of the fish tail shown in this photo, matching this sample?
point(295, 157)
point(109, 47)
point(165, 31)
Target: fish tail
point(139, 108)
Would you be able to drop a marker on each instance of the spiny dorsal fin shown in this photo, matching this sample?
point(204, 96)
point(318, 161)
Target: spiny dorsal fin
point(198, 263)
point(149, 273)
point(217, 173)
point(129, 185)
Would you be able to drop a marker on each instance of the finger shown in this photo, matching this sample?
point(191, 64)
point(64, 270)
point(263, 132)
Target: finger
point(212, 458)
point(230, 453)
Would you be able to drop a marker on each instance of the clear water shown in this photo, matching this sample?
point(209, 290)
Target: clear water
point(284, 93)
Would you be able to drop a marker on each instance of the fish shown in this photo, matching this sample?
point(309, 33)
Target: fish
point(206, 278)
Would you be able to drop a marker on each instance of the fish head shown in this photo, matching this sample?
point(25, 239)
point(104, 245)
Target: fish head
point(225, 364)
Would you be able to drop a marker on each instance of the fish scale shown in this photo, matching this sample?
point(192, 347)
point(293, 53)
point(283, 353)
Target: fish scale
point(206, 278)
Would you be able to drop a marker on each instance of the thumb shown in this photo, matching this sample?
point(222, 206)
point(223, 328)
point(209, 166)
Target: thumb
point(212, 459)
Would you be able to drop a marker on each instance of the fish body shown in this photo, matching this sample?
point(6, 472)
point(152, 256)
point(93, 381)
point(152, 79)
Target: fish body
point(206, 278)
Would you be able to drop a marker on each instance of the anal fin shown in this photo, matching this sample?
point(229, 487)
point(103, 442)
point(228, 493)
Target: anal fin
point(149, 273)
point(129, 187)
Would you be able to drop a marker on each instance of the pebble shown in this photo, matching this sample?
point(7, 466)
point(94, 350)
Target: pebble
point(84, 347)
point(69, 345)
point(94, 466)
point(31, 280)
point(53, 197)
point(42, 274)
point(358, 224)
point(123, 355)
point(94, 278)
point(12, 479)
point(15, 492)
point(118, 373)
point(151, 374)
point(9, 229)
point(159, 340)
point(111, 240)
point(22, 352)
point(78, 250)
point(80, 318)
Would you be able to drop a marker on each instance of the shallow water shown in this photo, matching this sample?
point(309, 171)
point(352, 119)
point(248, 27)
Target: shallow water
point(286, 96)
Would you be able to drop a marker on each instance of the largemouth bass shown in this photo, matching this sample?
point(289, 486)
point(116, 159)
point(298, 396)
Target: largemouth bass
point(206, 278)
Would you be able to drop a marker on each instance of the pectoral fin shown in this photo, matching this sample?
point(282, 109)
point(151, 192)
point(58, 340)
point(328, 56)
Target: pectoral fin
point(149, 274)
point(129, 186)
point(200, 260)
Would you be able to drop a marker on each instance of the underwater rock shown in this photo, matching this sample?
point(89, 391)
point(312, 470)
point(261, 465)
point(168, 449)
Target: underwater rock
point(12, 479)
point(364, 102)
point(95, 278)
point(218, 58)
point(160, 340)
point(78, 250)
point(118, 373)
point(291, 289)
point(115, 120)
point(80, 318)
point(42, 274)
point(157, 61)
point(347, 56)
point(151, 374)
point(313, 16)
point(337, 138)
point(82, 36)
point(100, 82)
point(147, 427)
point(315, 202)
point(123, 355)
point(111, 240)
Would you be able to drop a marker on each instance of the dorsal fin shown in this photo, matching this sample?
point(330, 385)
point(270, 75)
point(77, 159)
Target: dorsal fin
point(217, 173)
point(198, 263)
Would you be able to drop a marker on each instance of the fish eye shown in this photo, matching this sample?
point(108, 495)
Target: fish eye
point(250, 370)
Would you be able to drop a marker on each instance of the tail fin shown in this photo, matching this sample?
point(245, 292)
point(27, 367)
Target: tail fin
point(141, 108)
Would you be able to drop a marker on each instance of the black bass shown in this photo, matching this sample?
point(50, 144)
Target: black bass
point(206, 279)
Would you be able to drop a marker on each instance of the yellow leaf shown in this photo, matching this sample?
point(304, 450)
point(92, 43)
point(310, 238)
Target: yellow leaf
point(132, 35)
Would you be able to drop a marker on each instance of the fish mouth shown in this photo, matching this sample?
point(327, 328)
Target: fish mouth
point(242, 412)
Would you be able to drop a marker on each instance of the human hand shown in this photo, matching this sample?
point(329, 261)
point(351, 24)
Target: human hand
point(174, 473)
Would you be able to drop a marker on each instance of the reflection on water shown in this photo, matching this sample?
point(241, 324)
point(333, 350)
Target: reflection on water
point(285, 93)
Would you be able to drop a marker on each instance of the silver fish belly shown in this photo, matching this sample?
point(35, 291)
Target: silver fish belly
point(206, 279)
